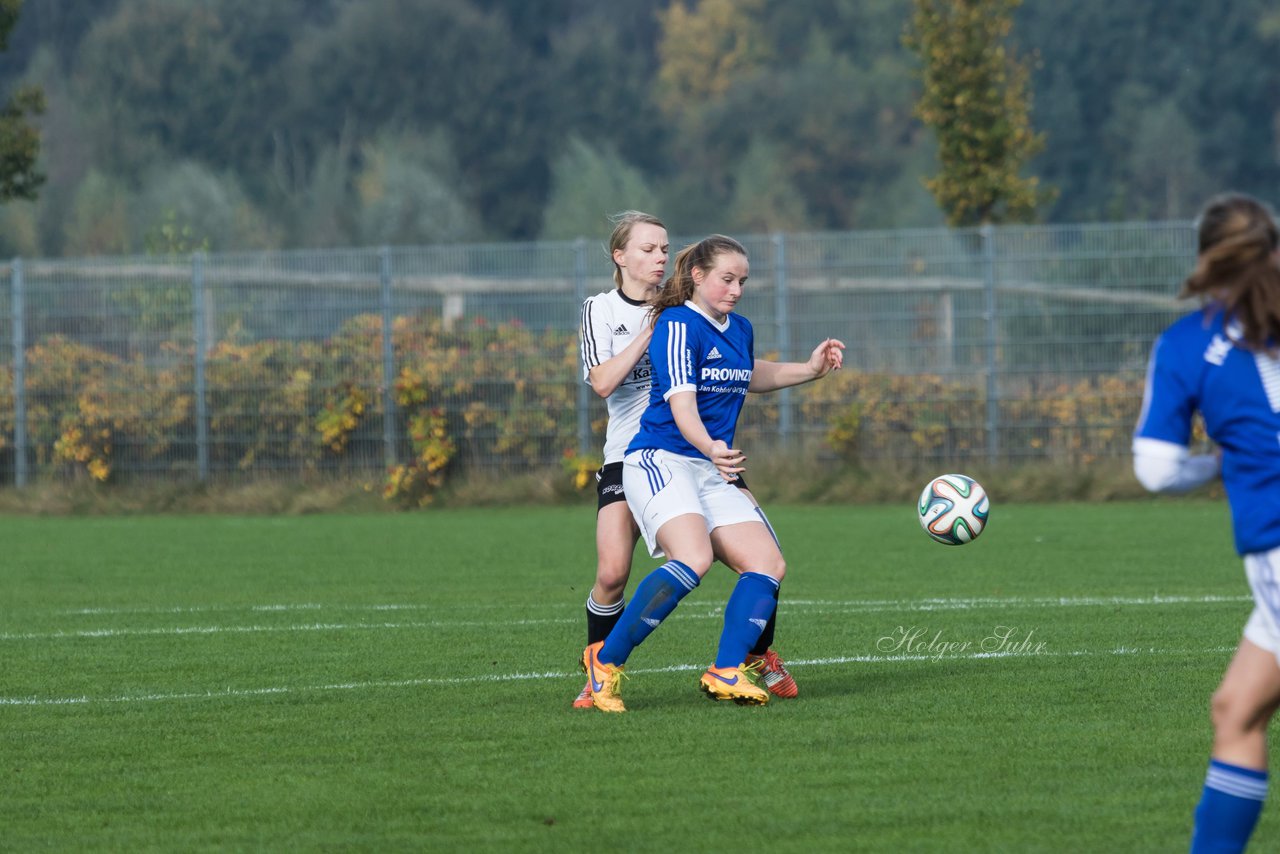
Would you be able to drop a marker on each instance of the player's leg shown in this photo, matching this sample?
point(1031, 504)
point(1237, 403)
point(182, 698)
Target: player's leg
point(663, 498)
point(773, 670)
point(684, 539)
point(616, 537)
point(750, 546)
point(1236, 784)
point(740, 539)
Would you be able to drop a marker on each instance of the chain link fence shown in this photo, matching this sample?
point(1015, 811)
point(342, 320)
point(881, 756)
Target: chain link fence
point(1002, 344)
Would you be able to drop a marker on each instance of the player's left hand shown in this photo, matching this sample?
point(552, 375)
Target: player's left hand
point(730, 461)
point(826, 357)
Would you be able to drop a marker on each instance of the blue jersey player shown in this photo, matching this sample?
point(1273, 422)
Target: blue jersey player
point(679, 468)
point(1222, 362)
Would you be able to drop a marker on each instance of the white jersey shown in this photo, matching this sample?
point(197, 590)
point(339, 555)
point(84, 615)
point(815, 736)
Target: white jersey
point(610, 321)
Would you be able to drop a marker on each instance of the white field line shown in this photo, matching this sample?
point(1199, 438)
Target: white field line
point(232, 693)
point(939, 604)
point(855, 606)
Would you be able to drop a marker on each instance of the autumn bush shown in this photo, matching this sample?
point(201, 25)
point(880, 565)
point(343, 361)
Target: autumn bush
point(474, 396)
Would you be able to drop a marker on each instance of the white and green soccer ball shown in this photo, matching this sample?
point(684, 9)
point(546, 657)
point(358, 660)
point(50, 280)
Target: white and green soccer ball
point(953, 509)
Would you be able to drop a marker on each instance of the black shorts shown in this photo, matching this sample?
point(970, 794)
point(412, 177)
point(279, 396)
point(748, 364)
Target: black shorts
point(609, 485)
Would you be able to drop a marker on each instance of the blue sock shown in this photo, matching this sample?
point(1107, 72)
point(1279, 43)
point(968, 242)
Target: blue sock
point(1228, 808)
point(750, 606)
point(655, 598)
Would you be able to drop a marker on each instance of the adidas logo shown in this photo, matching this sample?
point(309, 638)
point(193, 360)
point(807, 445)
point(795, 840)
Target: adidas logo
point(653, 624)
point(714, 354)
point(621, 330)
point(756, 621)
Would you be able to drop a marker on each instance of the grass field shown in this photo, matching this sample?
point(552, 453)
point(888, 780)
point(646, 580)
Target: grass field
point(402, 682)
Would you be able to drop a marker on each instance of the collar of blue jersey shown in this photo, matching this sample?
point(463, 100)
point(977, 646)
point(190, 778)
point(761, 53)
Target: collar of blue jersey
point(721, 326)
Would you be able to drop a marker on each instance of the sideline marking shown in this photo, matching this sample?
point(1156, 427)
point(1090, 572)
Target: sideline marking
point(829, 606)
point(929, 604)
point(232, 693)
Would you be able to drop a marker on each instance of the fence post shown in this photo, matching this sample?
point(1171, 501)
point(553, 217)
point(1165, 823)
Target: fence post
point(989, 315)
point(202, 346)
point(388, 361)
point(782, 320)
point(580, 293)
point(19, 374)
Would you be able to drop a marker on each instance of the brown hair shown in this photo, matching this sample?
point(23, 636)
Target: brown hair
point(622, 224)
point(1237, 266)
point(679, 285)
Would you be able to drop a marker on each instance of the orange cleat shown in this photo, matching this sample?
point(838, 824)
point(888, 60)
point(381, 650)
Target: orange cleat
point(734, 683)
point(603, 680)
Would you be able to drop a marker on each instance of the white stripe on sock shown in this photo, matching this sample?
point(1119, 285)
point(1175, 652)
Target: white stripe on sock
point(605, 610)
point(1237, 785)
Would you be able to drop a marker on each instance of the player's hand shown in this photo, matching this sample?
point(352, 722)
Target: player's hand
point(826, 357)
point(730, 461)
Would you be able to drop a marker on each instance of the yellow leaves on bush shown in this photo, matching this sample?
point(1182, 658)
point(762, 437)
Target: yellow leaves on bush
point(906, 417)
point(339, 419)
point(415, 483)
point(580, 467)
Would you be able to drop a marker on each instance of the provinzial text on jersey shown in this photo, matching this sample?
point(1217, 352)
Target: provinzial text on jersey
point(727, 375)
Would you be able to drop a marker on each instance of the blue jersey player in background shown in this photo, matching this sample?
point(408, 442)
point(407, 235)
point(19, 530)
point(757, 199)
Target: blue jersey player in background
point(1222, 362)
point(678, 470)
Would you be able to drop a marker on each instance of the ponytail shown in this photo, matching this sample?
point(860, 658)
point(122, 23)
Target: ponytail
point(1237, 267)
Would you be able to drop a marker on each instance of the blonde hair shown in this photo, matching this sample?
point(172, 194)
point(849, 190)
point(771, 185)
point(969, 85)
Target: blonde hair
point(623, 223)
point(679, 286)
point(1237, 266)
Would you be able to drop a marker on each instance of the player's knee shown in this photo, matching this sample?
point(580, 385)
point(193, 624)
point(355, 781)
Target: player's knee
point(1230, 714)
point(699, 562)
point(611, 581)
point(775, 567)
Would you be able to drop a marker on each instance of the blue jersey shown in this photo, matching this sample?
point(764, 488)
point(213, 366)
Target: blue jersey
point(1196, 366)
point(691, 352)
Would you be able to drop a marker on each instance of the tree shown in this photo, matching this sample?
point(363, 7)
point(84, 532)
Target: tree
point(764, 198)
point(587, 185)
point(407, 193)
point(19, 140)
point(431, 65)
point(976, 97)
point(705, 50)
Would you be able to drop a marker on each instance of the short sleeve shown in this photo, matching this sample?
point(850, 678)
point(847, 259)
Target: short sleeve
point(671, 352)
point(595, 336)
point(1168, 400)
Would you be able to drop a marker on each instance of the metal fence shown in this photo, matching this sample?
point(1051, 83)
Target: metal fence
point(1004, 344)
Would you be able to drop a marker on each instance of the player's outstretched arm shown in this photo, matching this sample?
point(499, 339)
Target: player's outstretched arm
point(771, 376)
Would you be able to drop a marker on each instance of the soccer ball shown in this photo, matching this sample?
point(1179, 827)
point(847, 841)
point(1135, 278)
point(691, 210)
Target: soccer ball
point(953, 509)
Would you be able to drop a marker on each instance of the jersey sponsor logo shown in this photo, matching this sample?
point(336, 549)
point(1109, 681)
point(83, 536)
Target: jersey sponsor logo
point(1216, 352)
point(714, 354)
point(612, 489)
point(621, 330)
point(726, 375)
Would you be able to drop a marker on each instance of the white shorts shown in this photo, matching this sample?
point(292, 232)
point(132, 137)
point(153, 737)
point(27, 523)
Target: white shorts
point(661, 486)
point(1263, 572)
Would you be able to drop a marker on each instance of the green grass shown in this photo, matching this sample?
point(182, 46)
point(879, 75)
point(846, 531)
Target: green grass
point(402, 682)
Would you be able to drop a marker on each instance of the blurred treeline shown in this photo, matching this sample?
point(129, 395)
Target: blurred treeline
point(251, 124)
